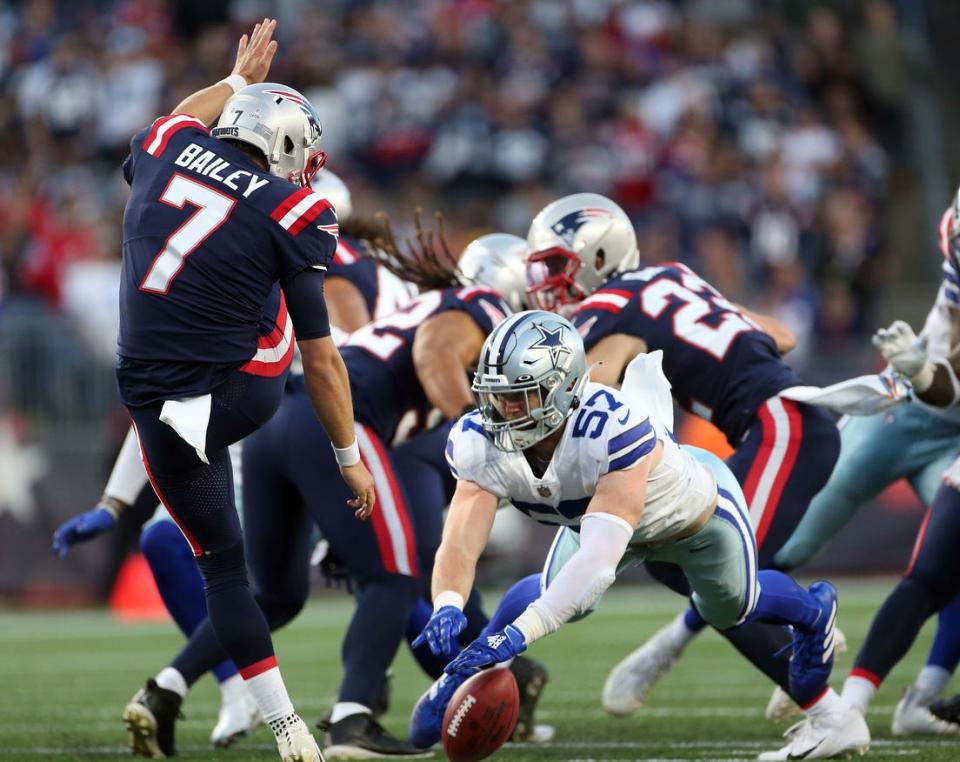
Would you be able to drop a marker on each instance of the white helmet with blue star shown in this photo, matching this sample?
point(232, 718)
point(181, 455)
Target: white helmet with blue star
point(531, 373)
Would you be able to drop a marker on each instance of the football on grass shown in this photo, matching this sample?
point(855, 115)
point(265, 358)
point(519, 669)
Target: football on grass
point(481, 716)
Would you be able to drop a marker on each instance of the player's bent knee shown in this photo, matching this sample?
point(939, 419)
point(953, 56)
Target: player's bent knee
point(723, 609)
point(161, 539)
point(280, 608)
point(938, 590)
point(223, 569)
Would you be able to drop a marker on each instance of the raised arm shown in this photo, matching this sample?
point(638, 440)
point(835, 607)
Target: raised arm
point(443, 348)
point(254, 56)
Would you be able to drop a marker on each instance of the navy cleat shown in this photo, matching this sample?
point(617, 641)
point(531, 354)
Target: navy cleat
point(812, 659)
point(426, 720)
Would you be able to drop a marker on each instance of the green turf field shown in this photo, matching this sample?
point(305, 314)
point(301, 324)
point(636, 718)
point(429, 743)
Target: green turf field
point(64, 678)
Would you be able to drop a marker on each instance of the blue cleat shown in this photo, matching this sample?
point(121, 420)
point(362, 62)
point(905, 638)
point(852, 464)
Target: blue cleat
point(426, 720)
point(812, 658)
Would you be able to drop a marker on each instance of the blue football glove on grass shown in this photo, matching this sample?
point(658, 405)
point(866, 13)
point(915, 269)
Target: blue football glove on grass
point(81, 528)
point(487, 650)
point(440, 633)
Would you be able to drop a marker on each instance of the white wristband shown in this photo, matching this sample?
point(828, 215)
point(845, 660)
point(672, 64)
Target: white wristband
point(448, 598)
point(347, 456)
point(235, 81)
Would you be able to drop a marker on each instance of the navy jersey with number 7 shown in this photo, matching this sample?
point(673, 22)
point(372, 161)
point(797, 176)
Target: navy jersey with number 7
point(207, 234)
point(721, 364)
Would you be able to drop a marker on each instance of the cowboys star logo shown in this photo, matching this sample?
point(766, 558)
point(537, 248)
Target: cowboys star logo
point(552, 340)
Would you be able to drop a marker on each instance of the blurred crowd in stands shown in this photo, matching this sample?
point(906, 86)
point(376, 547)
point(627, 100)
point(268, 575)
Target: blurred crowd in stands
point(756, 145)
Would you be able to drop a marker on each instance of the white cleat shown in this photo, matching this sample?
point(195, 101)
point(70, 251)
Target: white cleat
point(913, 717)
point(294, 740)
point(239, 715)
point(629, 683)
point(781, 707)
point(843, 733)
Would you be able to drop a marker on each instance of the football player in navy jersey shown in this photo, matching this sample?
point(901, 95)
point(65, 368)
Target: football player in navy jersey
point(360, 289)
point(724, 364)
point(407, 373)
point(215, 218)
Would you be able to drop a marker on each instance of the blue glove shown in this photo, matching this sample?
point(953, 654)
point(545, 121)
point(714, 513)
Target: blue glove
point(82, 528)
point(488, 649)
point(441, 631)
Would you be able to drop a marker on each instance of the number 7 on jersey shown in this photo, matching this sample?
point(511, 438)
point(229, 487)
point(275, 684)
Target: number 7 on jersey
point(212, 210)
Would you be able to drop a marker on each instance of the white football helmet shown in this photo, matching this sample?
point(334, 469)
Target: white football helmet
point(498, 261)
point(334, 190)
point(578, 242)
point(532, 371)
point(279, 122)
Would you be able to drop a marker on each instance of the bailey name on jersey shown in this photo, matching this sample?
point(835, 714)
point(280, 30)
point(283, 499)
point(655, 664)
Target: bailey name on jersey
point(205, 162)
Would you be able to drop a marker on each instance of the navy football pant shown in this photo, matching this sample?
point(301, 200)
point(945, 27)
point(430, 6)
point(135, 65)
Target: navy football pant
point(785, 458)
point(199, 497)
point(931, 581)
point(291, 481)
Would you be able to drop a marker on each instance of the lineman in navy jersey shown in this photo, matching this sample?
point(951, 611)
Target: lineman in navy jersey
point(212, 223)
point(603, 464)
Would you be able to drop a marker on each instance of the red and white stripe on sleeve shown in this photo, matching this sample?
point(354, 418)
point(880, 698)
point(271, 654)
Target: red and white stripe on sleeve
point(301, 208)
point(165, 128)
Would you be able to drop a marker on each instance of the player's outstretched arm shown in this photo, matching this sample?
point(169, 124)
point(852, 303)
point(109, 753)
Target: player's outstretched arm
point(465, 535)
point(609, 357)
point(254, 56)
point(443, 348)
point(329, 388)
point(936, 383)
point(782, 335)
point(127, 479)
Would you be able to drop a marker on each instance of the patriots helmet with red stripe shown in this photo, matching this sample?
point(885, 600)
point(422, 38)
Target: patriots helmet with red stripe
point(578, 243)
point(280, 123)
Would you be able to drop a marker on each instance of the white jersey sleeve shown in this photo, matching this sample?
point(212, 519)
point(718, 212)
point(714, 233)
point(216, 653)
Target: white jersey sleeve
point(128, 476)
point(472, 456)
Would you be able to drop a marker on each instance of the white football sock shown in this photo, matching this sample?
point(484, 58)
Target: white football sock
point(270, 693)
point(858, 692)
point(680, 634)
point(827, 703)
point(171, 679)
point(233, 689)
point(347, 708)
point(932, 681)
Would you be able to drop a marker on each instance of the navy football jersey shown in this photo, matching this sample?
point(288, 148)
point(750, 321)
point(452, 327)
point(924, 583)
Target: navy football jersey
point(382, 291)
point(721, 364)
point(387, 395)
point(206, 235)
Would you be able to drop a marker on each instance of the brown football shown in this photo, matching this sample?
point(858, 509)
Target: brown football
point(481, 716)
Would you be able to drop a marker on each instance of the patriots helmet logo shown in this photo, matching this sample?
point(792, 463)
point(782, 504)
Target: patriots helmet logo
point(568, 225)
point(553, 341)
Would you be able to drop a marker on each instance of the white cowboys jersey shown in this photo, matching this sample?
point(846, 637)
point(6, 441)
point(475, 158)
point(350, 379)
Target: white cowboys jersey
point(938, 333)
point(604, 434)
